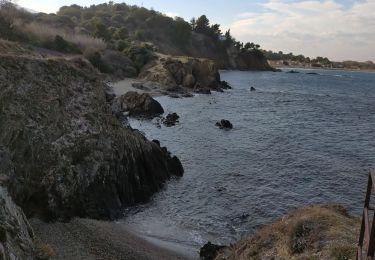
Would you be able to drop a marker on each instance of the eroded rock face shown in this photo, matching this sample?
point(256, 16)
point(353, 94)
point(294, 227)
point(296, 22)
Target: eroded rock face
point(138, 105)
point(16, 234)
point(70, 155)
point(187, 72)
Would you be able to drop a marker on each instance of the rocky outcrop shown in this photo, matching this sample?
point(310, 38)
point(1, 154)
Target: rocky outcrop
point(187, 72)
point(137, 105)
point(69, 156)
point(248, 60)
point(16, 234)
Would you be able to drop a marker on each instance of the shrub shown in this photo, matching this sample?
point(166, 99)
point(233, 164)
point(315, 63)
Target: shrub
point(122, 45)
point(139, 35)
point(59, 44)
point(95, 59)
point(140, 55)
point(44, 33)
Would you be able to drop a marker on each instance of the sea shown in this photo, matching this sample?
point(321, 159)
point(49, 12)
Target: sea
point(300, 139)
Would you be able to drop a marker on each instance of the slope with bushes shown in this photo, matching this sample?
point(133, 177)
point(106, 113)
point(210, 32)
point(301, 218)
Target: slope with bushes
point(126, 30)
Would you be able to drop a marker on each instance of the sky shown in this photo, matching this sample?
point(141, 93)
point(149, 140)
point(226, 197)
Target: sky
point(339, 30)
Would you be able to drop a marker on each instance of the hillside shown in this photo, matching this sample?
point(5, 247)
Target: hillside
point(120, 39)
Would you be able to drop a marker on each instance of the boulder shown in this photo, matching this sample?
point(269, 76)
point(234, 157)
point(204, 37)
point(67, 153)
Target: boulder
point(209, 251)
point(137, 105)
point(189, 81)
point(70, 155)
point(224, 124)
point(170, 119)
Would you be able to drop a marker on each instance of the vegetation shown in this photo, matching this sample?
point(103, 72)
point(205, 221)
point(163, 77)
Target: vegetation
point(315, 232)
point(120, 27)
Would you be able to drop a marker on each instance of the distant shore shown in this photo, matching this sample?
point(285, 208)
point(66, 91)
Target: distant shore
point(321, 68)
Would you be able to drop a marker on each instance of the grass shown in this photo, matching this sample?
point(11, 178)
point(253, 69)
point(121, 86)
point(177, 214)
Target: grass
point(43, 251)
point(44, 32)
point(314, 232)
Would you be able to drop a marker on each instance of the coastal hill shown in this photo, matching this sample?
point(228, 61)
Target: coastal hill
point(280, 59)
point(120, 39)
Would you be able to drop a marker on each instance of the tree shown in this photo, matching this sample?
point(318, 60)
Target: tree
point(182, 31)
point(202, 25)
point(120, 33)
point(102, 32)
point(193, 23)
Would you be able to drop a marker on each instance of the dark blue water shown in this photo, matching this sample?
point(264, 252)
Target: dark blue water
point(299, 139)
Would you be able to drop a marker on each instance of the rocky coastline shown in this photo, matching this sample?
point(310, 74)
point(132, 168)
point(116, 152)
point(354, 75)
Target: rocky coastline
point(64, 153)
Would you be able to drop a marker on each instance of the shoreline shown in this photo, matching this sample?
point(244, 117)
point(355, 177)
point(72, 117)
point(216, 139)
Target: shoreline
point(94, 239)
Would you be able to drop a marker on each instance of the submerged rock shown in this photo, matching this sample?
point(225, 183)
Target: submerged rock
point(70, 156)
point(292, 71)
point(209, 251)
point(137, 105)
point(224, 124)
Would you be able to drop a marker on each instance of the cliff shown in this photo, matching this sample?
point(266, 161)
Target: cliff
point(67, 155)
point(313, 232)
point(174, 72)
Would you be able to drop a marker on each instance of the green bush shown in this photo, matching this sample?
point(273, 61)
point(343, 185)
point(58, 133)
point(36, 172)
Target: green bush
point(64, 46)
point(139, 35)
point(140, 55)
point(122, 45)
point(95, 59)
point(57, 44)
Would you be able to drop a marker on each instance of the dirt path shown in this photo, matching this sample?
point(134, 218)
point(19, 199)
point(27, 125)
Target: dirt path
point(92, 239)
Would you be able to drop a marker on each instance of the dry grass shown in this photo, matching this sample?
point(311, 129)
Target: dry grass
point(310, 233)
point(46, 32)
point(43, 250)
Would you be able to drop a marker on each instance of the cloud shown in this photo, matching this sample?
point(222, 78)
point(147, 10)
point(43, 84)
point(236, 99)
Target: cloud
point(324, 28)
point(171, 14)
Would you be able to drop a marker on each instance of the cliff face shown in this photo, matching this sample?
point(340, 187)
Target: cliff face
point(16, 235)
point(188, 72)
point(67, 154)
point(248, 60)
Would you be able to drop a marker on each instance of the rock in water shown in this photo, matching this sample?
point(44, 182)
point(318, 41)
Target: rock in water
point(70, 155)
point(252, 89)
point(138, 105)
point(209, 251)
point(171, 119)
point(225, 85)
point(224, 124)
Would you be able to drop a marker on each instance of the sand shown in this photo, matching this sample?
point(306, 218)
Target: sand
point(93, 239)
